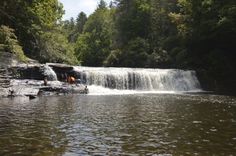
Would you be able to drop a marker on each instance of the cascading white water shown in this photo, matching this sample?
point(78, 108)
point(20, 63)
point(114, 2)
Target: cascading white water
point(140, 79)
point(51, 75)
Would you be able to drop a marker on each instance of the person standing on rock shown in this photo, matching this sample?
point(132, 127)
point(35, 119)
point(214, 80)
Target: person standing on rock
point(11, 91)
point(71, 80)
point(45, 81)
point(86, 90)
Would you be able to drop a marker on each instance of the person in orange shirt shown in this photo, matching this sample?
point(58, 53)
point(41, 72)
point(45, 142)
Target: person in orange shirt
point(71, 80)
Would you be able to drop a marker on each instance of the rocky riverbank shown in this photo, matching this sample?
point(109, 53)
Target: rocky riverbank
point(28, 80)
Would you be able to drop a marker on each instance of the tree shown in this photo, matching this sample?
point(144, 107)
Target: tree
point(208, 31)
point(102, 5)
point(80, 22)
point(9, 43)
point(135, 54)
point(163, 33)
point(132, 20)
point(54, 47)
point(30, 19)
point(93, 46)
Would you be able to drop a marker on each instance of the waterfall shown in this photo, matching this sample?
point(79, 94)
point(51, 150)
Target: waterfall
point(49, 73)
point(139, 79)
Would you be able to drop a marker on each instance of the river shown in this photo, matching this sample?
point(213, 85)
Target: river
point(128, 124)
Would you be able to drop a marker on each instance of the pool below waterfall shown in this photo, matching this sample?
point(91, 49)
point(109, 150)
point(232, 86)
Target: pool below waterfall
point(132, 124)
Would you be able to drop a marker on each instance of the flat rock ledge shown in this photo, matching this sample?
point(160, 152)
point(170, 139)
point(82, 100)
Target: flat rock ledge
point(34, 88)
point(27, 80)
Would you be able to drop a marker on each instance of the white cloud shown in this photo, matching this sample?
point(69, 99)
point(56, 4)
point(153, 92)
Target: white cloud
point(74, 7)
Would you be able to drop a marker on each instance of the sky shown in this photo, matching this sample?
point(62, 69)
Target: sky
point(74, 7)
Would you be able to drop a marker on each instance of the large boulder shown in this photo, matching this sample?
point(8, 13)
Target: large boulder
point(33, 71)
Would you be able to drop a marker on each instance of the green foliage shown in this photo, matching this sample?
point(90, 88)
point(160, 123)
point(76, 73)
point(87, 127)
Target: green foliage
point(102, 5)
point(134, 54)
point(114, 59)
point(30, 20)
point(47, 12)
point(144, 22)
point(73, 28)
point(80, 22)
point(9, 43)
point(211, 25)
point(83, 49)
point(68, 28)
point(159, 59)
point(93, 46)
point(208, 32)
point(54, 47)
point(132, 20)
point(161, 26)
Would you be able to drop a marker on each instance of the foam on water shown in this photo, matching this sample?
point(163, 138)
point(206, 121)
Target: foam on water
point(138, 80)
point(99, 90)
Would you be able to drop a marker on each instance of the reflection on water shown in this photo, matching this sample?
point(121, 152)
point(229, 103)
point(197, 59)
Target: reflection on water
point(142, 124)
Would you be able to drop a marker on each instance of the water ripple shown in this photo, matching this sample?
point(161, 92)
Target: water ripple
point(161, 125)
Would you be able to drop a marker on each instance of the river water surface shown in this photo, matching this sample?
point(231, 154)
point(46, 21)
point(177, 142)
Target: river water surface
point(137, 124)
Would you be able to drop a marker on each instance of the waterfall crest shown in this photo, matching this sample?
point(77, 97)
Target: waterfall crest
point(49, 72)
point(139, 79)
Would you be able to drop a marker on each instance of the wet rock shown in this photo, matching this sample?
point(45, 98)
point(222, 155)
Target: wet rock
point(29, 80)
point(64, 89)
point(4, 78)
point(62, 70)
point(33, 71)
point(25, 71)
point(34, 88)
point(25, 91)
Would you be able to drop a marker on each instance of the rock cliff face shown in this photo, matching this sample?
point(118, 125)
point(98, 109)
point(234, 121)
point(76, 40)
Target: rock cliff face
point(11, 67)
point(52, 71)
point(28, 80)
point(25, 71)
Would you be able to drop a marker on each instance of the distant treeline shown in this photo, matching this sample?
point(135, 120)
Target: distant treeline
point(188, 34)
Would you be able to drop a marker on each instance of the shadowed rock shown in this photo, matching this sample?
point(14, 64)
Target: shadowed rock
point(28, 80)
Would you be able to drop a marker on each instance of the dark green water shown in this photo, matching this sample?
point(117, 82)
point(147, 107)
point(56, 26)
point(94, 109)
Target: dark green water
point(143, 124)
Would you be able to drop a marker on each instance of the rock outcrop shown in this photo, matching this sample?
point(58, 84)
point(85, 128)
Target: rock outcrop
point(4, 78)
point(28, 80)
